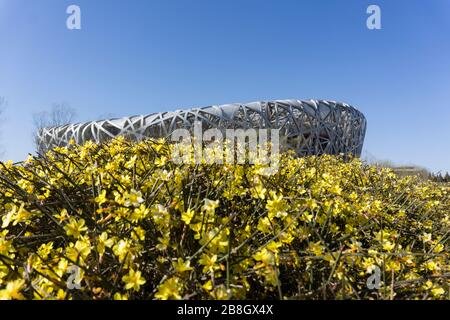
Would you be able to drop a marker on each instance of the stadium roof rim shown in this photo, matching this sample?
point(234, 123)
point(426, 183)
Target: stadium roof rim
point(311, 102)
point(307, 126)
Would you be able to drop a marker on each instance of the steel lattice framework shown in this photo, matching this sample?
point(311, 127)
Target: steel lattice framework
point(309, 127)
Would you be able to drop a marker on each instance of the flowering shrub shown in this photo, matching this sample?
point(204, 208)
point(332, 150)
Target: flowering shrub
point(121, 221)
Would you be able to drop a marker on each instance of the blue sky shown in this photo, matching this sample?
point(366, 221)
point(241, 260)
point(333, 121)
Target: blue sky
point(134, 57)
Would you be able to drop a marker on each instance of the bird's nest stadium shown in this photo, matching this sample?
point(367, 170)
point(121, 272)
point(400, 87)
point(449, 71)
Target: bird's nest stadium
point(311, 127)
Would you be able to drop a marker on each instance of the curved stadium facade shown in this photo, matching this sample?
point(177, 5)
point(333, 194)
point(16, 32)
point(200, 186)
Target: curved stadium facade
point(310, 127)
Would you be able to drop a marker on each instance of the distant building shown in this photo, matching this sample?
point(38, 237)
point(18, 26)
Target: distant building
point(309, 127)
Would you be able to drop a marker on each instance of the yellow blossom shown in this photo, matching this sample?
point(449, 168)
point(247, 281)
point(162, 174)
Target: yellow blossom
point(208, 262)
point(187, 216)
point(182, 266)
point(133, 280)
point(75, 228)
point(12, 290)
point(103, 242)
point(169, 289)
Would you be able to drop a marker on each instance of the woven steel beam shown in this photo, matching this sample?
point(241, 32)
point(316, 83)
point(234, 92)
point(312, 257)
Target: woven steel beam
point(310, 127)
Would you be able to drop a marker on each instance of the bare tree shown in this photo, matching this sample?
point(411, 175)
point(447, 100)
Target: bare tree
point(2, 104)
point(60, 114)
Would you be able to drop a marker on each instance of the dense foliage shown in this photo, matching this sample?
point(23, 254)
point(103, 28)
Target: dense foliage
point(120, 220)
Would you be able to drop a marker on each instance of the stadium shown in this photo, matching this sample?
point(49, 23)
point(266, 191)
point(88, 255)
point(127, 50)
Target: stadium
point(310, 127)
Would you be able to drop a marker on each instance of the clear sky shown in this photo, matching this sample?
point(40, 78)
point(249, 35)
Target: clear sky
point(134, 57)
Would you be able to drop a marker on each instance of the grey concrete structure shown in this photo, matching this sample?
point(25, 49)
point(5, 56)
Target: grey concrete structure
point(308, 127)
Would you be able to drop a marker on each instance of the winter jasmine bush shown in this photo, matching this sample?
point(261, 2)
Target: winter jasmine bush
point(120, 220)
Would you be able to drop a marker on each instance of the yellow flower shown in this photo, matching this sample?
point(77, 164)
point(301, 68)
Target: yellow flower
point(138, 234)
point(207, 285)
point(62, 216)
point(264, 225)
point(187, 216)
point(336, 189)
point(426, 237)
point(5, 246)
point(438, 248)
point(130, 163)
point(182, 266)
point(16, 215)
point(438, 291)
point(210, 205)
point(139, 213)
point(196, 227)
point(161, 215)
point(266, 257)
point(133, 198)
point(217, 240)
point(388, 245)
point(311, 204)
point(45, 249)
point(133, 280)
point(12, 290)
point(316, 248)
point(307, 217)
point(163, 242)
point(221, 293)
point(103, 242)
point(160, 162)
point(208, 262)
point(259, 191)
point(273, 246)
point(431, 265)
point(119, 296)
point(276, 207)
point(169, 289)
point(101, 199)
point(61, 294)
point(45, 195)
point(9, 164)
point(428, 285)
point(111, 166)
point(75, 228)
point(121, 249)
point(353, 196)
point(81, 249)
